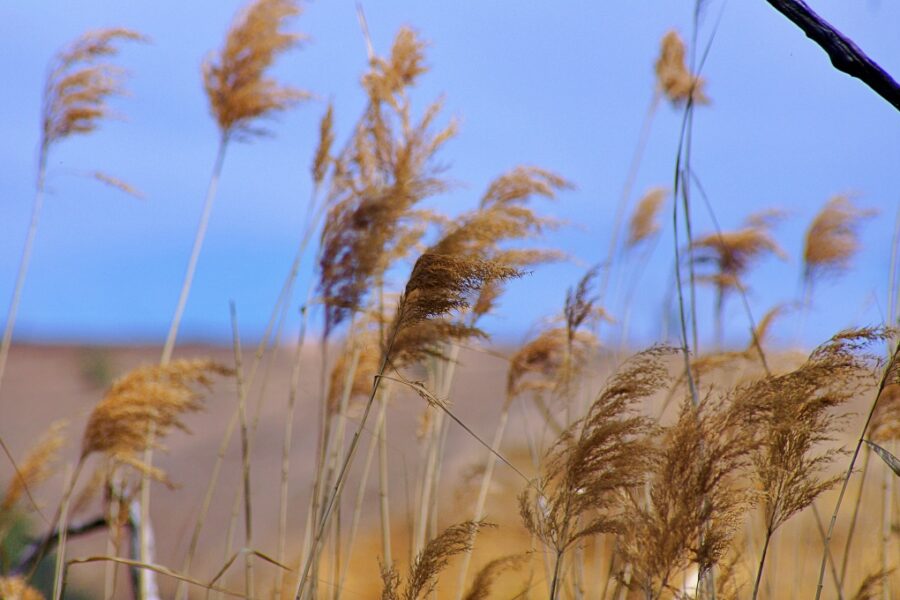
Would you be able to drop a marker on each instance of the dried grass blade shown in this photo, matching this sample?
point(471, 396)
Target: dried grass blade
point(889, 459)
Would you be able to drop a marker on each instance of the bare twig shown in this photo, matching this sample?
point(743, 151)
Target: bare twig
point(844, 54)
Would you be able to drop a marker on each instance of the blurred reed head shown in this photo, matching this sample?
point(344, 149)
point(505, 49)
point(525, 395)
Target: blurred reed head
point(235, 80)
point(143, 406)
point(79, 84)
point(673, 78)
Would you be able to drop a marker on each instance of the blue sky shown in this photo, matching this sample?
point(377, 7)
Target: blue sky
point(560, 85)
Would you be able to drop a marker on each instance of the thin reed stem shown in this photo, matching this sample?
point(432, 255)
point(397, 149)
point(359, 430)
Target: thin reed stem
point(63, 528)
point(762, 562)
point(25, 261)
point(285, 460)
point(245, 454)
point(627, 187)
point(360, 495)
point(856, 506)
point(383, 488)
point(481, 501)
point(887, 496)
point(195, 251)
point(888, 371)
point(335, 494)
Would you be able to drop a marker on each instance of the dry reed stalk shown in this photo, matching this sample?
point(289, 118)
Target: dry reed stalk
point(548, 363)
point(437, 286)
point(249, 583)
point(74, 102)
point(239, 94)
point(374, 445)
point(285, 461)
point(891, 376)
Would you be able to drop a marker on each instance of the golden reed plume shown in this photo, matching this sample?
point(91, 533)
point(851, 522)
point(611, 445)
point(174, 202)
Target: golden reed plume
point(235, 81)
point(78, 85)
point(672, 75)
point(832, 238)
point(120, 424)
point(37, 466)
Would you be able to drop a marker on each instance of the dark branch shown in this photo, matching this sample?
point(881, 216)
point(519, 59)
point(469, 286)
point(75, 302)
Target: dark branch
point(35, 551)
point(845, 55)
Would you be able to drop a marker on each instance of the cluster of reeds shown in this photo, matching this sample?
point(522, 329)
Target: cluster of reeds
point(617, 496)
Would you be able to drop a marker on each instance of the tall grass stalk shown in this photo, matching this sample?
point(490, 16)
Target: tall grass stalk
point(285, 461)
point(245, 455)
point(25, 261)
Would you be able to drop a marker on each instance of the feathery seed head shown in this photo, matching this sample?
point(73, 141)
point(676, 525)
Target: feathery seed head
point(157, 396)
point(673, 76)
point(832, 238)
point(643, 224)
point(78, 85)
point(37, 466)
point(235, 81)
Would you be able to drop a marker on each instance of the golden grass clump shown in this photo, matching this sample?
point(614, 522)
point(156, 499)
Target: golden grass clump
point(794, 413)
point(694, 503)
point(120, 425)
point(78, 85)
point(644, 224)
point(428, 564)
point(832, 238)
point(596, 460)
point(235, 81)
point(15, 588)
point(37, 465)
point(377, 180)
point(672, 75)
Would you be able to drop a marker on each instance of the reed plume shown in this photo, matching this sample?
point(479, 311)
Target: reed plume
point(119, 425)
point(377, 180)
point(732, 253)
point(794, 415)
point(239, 95)
point(37, 466)
point(490, 572)
point(76, 91)
point(672, 75)
point(428, 564)
point(694, 503)
point(235, 81)
point(595, 463)
point(15, 588)
point(644, 224)
point(832, 239)
point(78, 85)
